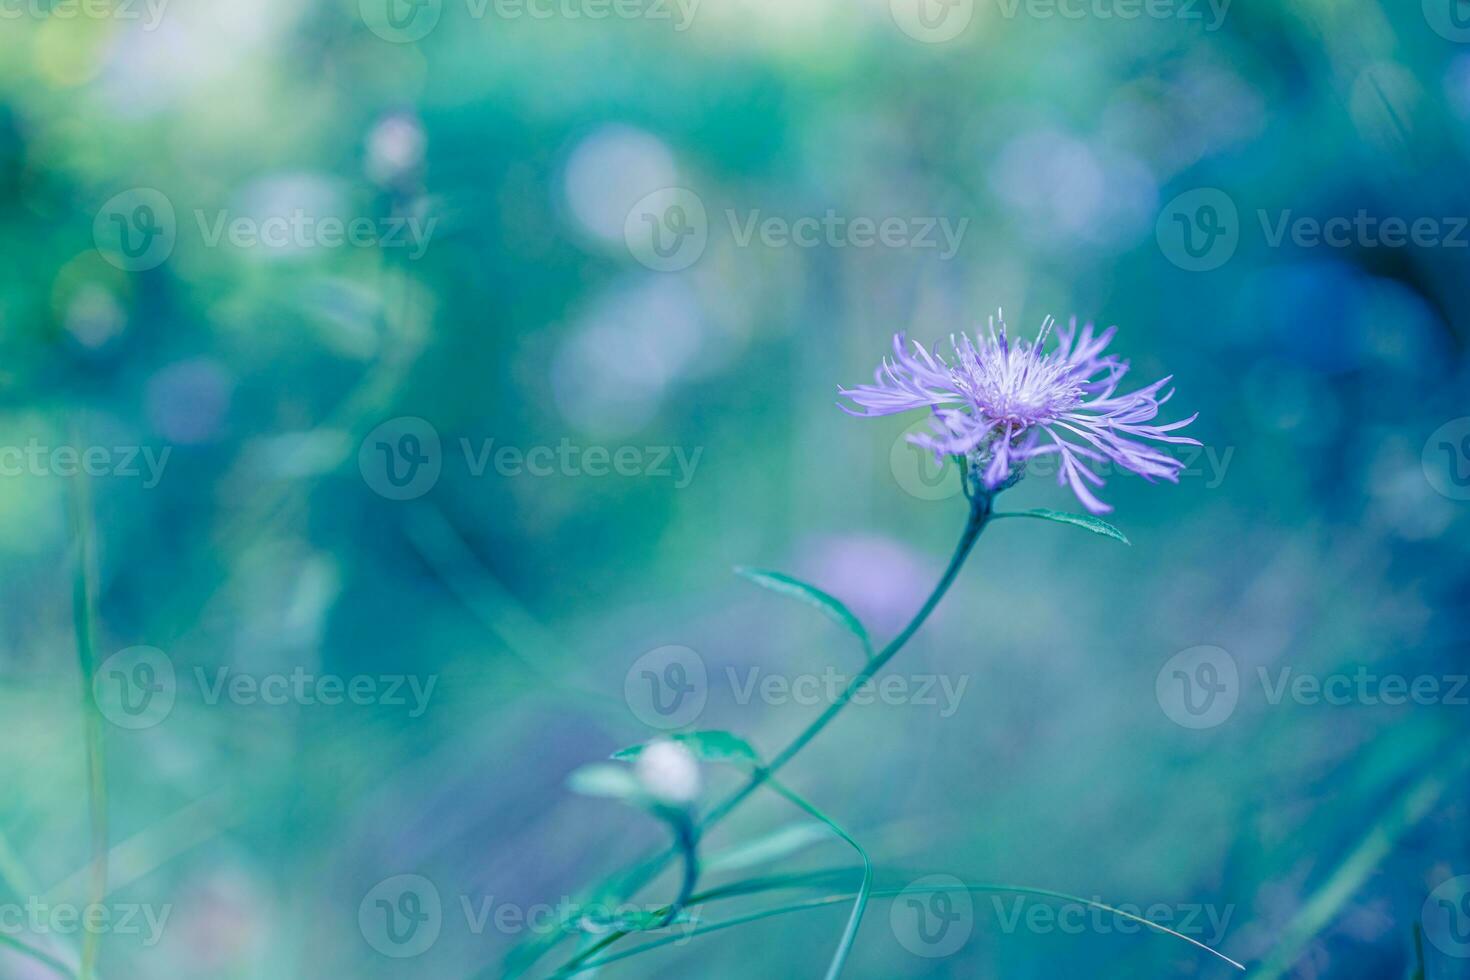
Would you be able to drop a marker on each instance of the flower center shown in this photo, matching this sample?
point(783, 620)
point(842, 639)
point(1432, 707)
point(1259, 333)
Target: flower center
point(1020, 388)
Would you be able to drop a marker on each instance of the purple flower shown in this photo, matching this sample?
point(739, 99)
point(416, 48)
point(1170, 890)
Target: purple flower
point(1001, 403)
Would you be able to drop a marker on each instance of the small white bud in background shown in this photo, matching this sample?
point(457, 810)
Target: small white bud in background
point(395, 149)
point(668, 772)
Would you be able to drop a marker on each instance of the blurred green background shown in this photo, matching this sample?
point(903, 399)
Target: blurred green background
point(457, 350)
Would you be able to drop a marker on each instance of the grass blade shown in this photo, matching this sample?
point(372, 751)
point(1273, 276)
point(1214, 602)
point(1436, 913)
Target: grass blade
point(860, 904)
point(829, 900)
point(39, 955)
point(84, 605)
point(1319, 911)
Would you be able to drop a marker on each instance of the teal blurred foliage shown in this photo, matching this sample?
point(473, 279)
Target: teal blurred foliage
point(385, 385)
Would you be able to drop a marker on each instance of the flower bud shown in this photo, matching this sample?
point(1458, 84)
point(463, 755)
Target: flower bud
point(668, 772)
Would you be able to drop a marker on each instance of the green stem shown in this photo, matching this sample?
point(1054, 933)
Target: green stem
point(979, 516)
point(686, 838)
point(980, 510)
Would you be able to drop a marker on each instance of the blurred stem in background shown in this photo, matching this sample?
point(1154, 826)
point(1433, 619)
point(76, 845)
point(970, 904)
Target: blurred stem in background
point(84, 604)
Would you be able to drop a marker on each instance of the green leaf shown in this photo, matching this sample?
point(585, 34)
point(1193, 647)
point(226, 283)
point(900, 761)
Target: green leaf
point(602, 779)
point(779, 843)
point(1084, 521)
point(795, 588)
point(860, 903)
point(706, 746)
